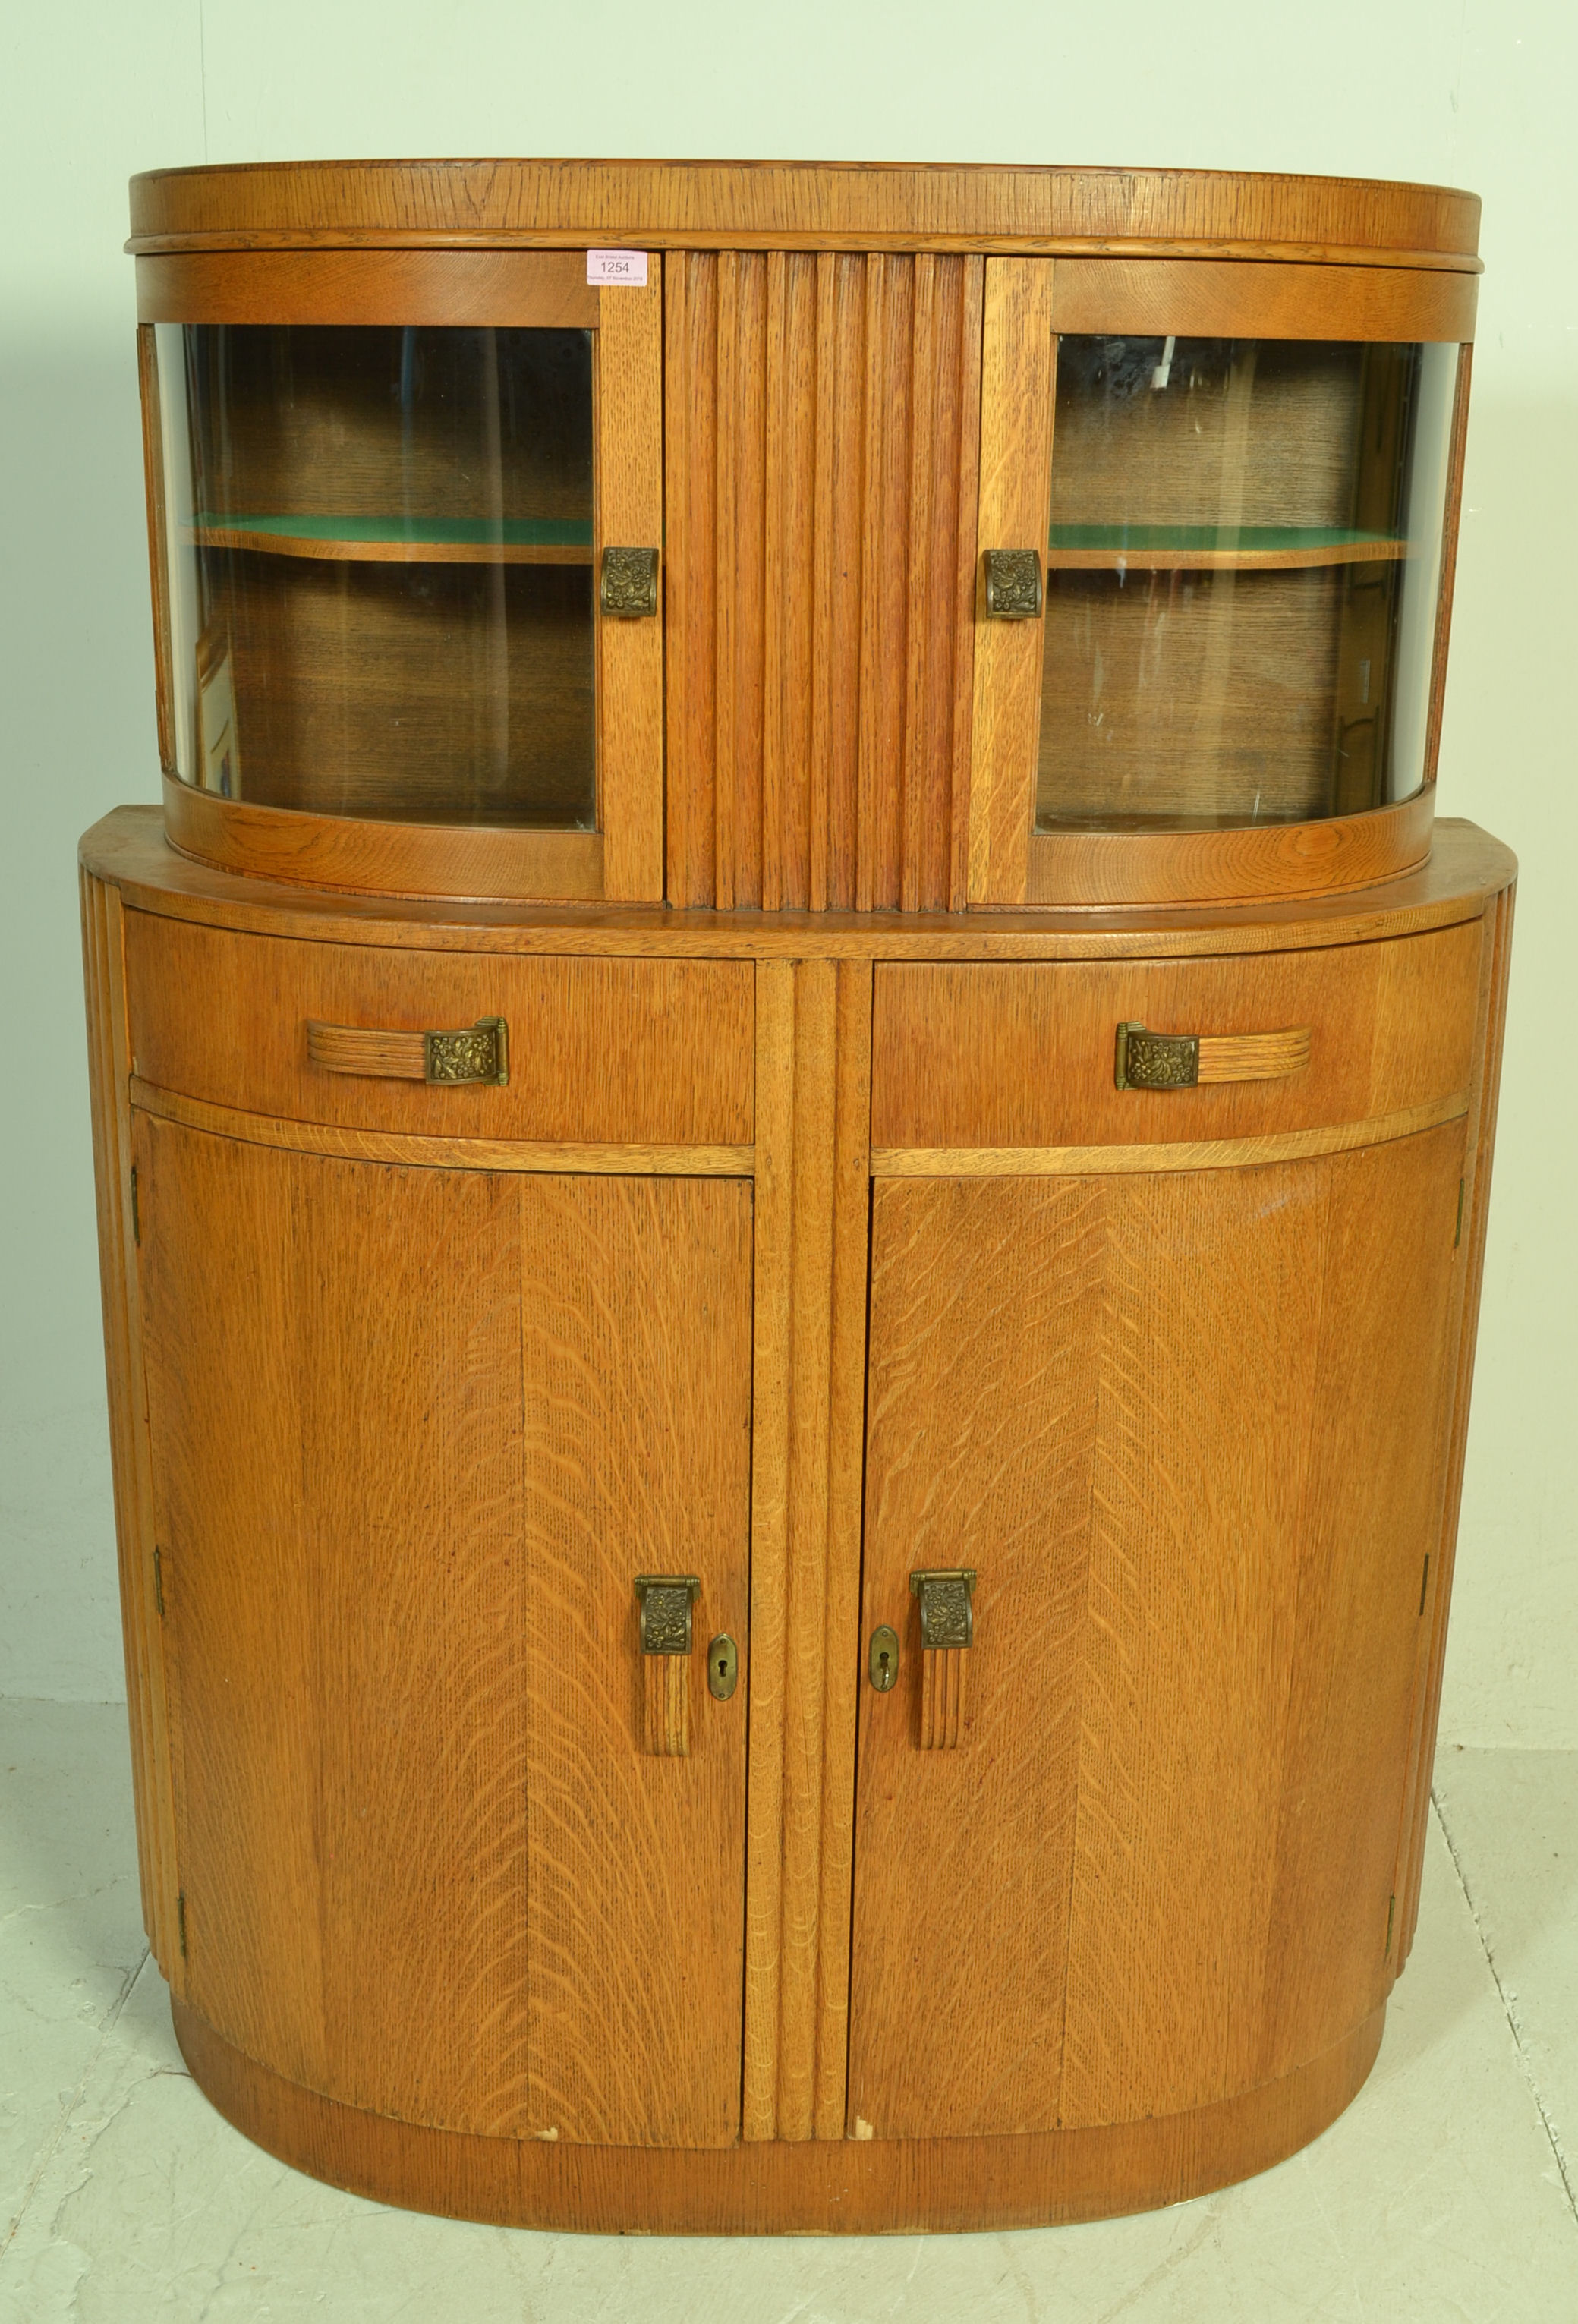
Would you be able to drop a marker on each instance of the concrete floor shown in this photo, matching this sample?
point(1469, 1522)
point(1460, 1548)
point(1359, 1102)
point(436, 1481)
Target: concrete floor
point(1443, 2194)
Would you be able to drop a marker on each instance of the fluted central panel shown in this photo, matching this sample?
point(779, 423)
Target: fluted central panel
point(822, 414)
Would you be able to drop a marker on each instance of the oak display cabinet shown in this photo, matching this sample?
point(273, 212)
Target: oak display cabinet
point(793, 1116)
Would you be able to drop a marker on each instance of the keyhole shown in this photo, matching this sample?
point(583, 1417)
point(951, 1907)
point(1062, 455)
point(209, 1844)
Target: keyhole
point(883, 1665)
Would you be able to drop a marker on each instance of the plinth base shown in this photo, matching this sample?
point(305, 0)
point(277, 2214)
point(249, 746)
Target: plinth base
point(818, 2187)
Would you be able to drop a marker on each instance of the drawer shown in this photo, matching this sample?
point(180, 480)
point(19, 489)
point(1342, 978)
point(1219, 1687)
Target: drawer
point(599, 1051)
point(988, 1055)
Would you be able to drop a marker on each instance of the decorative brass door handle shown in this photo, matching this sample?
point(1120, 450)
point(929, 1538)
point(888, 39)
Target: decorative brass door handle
point(1166, 1061)
point(947, 1631)
point(1014, 584)
point(628, 589)
point(665, 1600)
point(477, 1053)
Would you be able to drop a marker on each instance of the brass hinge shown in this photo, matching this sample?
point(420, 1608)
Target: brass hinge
point(1457, 1230)
point(1391, 1914)
point(1425, 1581)
point(136, 1215)
point(180, 1921)
point(158, 1582)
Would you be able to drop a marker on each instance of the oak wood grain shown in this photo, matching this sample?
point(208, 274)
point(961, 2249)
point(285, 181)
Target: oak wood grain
point(538, 290)
point(813, 1067)
point(1236, 864)
point(149, 1680)
point(784, 204)
point(988, 1055)
point(1016, 407)
point(363, 854)
point(963, 1856)
point(627, 1161)
point(600, 1051)
point(821, 445)
point(1207, 1154)
point(1256, 1380)
point(346, 1610)
point(409, 1661)
point(635, 1299)
point(1436, 1591)
point(1208, 298)
point(129, 850)
point(815, 2187)
point(628, 418)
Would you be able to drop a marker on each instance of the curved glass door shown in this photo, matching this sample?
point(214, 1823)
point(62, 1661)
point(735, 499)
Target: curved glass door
point(1242, 568)
point(380, 545)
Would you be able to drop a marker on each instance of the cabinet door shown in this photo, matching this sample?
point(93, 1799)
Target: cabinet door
point(1214, 518)
point(415, 1433)
point(1184, 1429)
point(406, 520)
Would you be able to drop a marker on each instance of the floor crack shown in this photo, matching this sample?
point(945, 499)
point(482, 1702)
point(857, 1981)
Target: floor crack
point(62, 2120)
point(1510, 2010)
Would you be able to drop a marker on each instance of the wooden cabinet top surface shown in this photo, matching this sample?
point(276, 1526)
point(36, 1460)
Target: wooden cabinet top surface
point(129, 850)
point(820, 205)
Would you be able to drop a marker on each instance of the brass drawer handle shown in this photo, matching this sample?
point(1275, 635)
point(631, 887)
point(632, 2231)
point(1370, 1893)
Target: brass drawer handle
point(477, 1053)
point(947, 1631)
point(1013, 584)
point(629, 590)
point(666, 1601)
point(1168, 1061)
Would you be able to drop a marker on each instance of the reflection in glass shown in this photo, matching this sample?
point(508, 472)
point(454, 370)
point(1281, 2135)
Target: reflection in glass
point(380, 543)
point(1243, 571)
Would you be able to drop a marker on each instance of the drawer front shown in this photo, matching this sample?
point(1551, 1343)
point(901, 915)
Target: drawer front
point(982, 1056)
point(603, 1051)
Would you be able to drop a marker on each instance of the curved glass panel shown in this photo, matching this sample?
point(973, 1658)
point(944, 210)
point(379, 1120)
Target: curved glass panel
point(380, 551)
point(1241, 579)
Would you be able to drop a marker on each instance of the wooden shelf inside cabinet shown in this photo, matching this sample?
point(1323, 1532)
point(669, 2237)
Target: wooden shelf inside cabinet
point(395, 540)
point(1238, 549)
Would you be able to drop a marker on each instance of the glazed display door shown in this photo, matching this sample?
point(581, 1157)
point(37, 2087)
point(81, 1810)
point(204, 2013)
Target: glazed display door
point(416, 1434)
point(1215, 524)
point(1128, 1831)
point(408, 521)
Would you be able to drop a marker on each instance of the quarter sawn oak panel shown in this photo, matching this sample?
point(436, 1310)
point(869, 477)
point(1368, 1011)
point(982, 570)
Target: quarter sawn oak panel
point(404, 1486)
point(1183, 1426)
point(610, 1052)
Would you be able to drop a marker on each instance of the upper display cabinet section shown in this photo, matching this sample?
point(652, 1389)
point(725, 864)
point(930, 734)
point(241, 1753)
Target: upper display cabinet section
point(772, 536)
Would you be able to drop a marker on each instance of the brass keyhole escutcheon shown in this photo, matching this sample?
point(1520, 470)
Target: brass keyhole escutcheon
point(884, 1659)
point(723, 1667)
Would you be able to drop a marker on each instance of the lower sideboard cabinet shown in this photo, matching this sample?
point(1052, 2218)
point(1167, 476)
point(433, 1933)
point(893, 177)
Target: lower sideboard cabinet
point(883, 1675)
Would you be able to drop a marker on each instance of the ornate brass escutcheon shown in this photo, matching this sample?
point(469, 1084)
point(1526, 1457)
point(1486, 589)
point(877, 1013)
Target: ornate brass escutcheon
point(1159, 1061)
point(723, 1667)
point(480, 1053)
point(628, 589)
point(948, 1629)
point(1014, 584)
point(883, 1660)
point(947, 1615)
point(665, 1600)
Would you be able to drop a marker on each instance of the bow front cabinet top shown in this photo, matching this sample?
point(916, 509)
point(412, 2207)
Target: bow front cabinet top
point(793, 1114)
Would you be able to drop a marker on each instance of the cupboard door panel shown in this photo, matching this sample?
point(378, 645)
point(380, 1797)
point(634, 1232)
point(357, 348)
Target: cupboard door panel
point(637, 1348)
point(405, 1472)
point(1185, 1428)
point(985, 1303)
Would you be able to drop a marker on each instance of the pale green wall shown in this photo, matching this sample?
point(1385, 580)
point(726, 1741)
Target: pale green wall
point(1471, 94)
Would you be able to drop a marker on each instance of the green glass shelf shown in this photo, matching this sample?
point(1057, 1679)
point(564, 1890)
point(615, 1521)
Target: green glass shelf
point(532, 540)
point(1169, 547)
